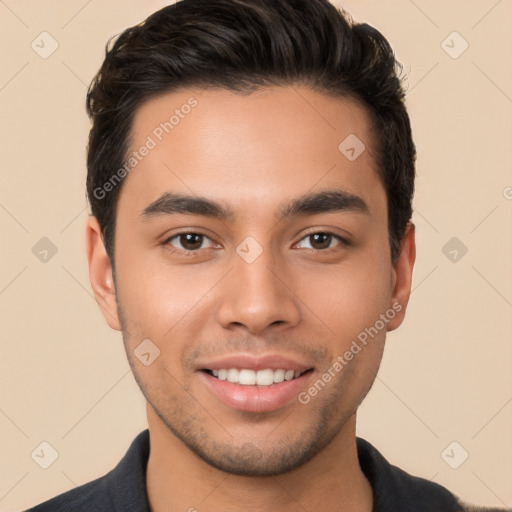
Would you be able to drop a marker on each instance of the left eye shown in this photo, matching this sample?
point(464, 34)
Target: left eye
point(322, 239)
point(188, 241)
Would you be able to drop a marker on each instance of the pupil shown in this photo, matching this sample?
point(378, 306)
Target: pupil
point(322, 238)
point(188, 240)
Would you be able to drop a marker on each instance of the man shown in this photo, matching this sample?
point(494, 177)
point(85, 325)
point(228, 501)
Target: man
point(250, 174)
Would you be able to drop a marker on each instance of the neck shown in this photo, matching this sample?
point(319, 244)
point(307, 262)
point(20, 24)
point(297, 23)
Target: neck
point(177, 479)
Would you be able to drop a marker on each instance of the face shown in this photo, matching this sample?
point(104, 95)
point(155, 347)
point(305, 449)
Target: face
point(254, 285)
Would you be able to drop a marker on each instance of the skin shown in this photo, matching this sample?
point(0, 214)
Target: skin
point(253, 153)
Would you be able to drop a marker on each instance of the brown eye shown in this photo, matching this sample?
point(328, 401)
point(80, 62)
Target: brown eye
point(186, 241)
point(322, 240)
point(191, 241)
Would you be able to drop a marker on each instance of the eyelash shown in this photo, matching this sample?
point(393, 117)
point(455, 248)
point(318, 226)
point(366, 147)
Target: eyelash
point(186, 252)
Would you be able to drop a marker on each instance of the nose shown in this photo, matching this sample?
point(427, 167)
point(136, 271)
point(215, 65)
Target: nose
point(258, 296)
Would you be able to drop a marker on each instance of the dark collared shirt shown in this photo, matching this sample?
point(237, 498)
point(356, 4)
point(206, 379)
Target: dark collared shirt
point(124, 488)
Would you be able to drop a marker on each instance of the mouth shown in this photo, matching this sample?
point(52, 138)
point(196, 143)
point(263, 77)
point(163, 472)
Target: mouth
point(255, 384)
point(261, 378)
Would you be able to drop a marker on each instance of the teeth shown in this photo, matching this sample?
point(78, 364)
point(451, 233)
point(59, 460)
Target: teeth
point(247, 377)
point(279, 375)
point(265, 377)
point(233, 374)
point(289, 375)
point(250, 377)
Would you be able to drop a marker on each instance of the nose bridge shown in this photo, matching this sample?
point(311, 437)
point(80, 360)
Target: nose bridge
point(256, 295)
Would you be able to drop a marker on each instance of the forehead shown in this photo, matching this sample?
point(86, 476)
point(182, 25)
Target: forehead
point(251, 149)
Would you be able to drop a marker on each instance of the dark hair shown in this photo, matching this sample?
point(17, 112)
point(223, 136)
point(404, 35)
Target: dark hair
point(241, 45)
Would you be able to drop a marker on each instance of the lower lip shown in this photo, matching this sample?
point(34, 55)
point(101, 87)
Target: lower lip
point(255, 398)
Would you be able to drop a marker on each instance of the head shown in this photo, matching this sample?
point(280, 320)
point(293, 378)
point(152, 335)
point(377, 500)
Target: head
point(284, 125)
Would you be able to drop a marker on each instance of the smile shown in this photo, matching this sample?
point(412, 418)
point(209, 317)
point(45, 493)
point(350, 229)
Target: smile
point(247, 377)
point(258, 391)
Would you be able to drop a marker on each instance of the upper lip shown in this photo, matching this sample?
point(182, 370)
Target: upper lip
point(252, 362)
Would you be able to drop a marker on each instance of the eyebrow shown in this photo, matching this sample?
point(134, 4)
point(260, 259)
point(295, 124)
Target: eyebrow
point(326, 201)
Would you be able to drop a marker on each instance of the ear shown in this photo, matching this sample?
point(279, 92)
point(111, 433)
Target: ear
point(402, 277)
point(100, 273)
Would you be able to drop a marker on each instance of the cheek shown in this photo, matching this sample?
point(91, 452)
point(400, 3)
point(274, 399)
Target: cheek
point(353, 303)
point(158, 300)
point(351, 297)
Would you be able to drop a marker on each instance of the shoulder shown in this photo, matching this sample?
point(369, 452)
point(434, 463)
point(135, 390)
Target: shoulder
point(123, 488)
point(395, 489)
point(93, 496)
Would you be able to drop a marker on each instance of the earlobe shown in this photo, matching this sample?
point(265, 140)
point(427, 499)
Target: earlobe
point(100, 273)
point(402, 276)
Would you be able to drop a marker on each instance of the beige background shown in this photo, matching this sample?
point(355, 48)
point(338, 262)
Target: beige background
point(446, 374)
